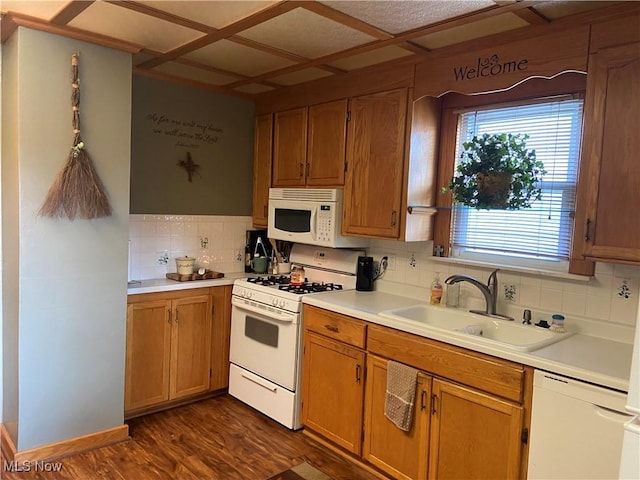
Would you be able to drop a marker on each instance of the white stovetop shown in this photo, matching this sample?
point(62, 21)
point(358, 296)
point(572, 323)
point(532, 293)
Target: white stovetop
point(589, 358)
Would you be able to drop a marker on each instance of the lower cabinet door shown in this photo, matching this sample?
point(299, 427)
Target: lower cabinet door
point(333, 390)
point(401, 454)
point(473, 434)
point(148, 354)
point(190, 346)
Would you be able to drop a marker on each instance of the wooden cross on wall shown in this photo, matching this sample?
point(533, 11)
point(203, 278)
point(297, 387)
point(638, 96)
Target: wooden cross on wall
point(190, 166)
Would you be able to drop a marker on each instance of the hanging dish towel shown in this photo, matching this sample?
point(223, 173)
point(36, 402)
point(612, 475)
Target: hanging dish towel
point(401, 394)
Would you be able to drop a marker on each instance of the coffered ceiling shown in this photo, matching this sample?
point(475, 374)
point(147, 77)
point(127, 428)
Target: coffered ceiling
point(249, 47)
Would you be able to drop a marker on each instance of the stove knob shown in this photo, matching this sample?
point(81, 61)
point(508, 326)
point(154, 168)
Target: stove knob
point(249, 295)
point(281, 303)
point(274, 302)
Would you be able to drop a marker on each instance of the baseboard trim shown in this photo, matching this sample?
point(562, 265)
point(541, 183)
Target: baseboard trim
point(6, 444)
point(129, 414)
point(71, 446)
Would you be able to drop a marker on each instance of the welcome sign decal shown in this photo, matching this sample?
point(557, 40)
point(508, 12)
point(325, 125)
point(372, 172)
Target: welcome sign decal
point(489, 67)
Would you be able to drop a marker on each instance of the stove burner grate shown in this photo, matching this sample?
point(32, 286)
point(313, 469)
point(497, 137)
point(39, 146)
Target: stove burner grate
point(310, 287)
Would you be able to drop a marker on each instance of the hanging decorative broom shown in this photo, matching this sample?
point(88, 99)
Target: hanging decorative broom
point(77, 190)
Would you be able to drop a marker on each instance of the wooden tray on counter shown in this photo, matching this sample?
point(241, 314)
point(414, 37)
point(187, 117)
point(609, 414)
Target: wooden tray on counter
point(194, 276)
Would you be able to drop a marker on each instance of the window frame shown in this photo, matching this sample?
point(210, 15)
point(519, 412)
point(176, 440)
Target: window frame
point(570, 83)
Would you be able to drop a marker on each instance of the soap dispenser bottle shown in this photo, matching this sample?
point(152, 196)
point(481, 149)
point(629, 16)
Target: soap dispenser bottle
point(436, 290)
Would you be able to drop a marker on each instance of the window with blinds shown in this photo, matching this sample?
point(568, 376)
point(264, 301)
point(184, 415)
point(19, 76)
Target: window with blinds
point(544, 231)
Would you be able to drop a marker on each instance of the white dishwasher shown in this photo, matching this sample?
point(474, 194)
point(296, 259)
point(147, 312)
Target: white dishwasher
point(576, 429)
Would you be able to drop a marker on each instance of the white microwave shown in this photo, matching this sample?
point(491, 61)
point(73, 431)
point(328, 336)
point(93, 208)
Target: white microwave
point(309, 216)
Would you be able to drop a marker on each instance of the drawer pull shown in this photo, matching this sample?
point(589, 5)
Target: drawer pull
point(332, 328)
point(274, 390)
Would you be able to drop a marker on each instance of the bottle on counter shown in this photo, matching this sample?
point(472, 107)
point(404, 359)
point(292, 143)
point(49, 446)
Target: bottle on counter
point(436, 290)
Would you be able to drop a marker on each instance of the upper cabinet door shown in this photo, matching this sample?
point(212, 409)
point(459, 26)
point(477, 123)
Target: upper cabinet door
point(290, 148)
point(607, 222)
point(375, 155)
point(262, 148)
point(327, 143)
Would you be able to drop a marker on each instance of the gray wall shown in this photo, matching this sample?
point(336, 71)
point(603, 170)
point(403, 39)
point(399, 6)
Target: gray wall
point(64, 282)
point(169, 120)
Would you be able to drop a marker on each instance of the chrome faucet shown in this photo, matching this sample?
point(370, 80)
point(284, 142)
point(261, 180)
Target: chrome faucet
point(490, 292)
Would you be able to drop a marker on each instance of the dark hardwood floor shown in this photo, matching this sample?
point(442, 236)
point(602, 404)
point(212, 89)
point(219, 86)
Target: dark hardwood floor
point(220, 438)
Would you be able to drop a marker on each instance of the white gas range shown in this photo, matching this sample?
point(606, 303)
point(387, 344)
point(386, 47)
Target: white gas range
point(266, 330)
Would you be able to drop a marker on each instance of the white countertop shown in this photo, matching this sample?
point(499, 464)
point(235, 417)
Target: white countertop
point(165, 284)
point(589, 358)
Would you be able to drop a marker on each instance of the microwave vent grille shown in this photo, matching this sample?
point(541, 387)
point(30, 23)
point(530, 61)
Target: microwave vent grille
point(309, 194)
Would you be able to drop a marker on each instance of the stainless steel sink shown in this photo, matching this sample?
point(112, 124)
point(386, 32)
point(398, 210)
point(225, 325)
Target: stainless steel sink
point(514, 336)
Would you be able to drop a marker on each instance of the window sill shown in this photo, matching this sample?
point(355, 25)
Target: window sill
point(511, 268)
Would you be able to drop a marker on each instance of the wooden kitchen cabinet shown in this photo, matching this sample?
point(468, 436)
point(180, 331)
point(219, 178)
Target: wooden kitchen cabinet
point(290, 148)
point(333, 378)
point(190, 346)
point(403, 455)
point(471, 414)
point(220, 335)
point(607, 226)
point(326, 148)
point(309, 146)
point(473, 434)
point(262, 151)
point(375, 157)
point(148, 354)
point(168, 348)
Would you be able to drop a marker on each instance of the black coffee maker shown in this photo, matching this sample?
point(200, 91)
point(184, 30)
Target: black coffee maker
point(365, 274)
point(252, 244)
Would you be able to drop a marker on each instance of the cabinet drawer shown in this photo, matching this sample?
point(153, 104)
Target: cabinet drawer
point(490, 374)
point(336, 326)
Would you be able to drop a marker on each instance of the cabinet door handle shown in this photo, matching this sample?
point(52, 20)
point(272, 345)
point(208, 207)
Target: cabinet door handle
point(170, 314)
point(306, 170)
point(434, 399)
point(587, 228)
point(264, 211)
point(176, 315)
point(394, 214)
point(423, 396)
point(332, 328)
point(301, 170)
point(358, 373)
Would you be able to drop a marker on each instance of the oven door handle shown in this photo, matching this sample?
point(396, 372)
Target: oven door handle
point(278, 315)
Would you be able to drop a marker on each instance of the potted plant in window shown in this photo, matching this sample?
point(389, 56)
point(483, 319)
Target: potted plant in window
point(497, 171)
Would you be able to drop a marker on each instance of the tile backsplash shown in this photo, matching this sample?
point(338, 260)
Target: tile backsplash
point(610, 296)
point(216, 241)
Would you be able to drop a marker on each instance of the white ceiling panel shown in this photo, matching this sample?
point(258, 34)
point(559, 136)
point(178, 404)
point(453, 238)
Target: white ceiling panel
point(134, 27)
point(197, 74)
point(559, 8)
point(237, 58)
point(481, 28)
point(216, 14)
point(254, 88)
point(401, 15)
point(43, 10)
point(300, 76)
point(373, 57)
point(307, 34)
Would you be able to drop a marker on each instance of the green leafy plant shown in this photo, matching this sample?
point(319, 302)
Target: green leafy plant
point(497, 171)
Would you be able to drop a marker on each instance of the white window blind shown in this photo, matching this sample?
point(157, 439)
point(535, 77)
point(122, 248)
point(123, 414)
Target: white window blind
point(544, 231)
